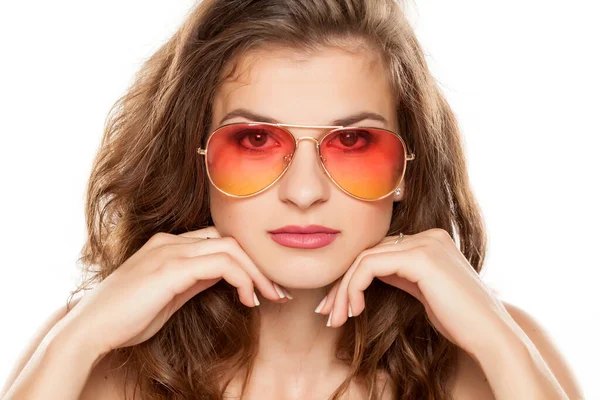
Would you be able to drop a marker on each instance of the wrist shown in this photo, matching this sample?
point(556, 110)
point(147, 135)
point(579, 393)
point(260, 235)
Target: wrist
point(73, 341)
point(502, 348)
point(504, 341)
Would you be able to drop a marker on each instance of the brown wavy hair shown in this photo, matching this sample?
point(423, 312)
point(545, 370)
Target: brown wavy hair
point(147, 178)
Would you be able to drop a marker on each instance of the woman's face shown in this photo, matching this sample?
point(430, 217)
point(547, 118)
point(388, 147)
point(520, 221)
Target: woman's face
point(328, 85)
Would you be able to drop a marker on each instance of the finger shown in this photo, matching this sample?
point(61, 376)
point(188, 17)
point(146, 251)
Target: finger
point(403, 284)
point(198, 287)
point(183, 273)
point(391, 239)
point(330, 298)
point(210, 232)
point(161, 239)
point(409, 265)
point(158, 240)
point(441, 235)
point(227, 245)
point(342, 306)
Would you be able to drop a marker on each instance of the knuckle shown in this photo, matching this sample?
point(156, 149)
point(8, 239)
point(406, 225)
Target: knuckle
point(421, 252)
point(169, 264)
point(432, 241)
point(230, 241)
point(364, 253)
point(440, 234)
point(237, 273)
point(224, 258)
point(161, 253)
point(246, 278)
point(437, 231)
point(366, 259)
point(361, 256)
point(211, 230)
point(159, 239)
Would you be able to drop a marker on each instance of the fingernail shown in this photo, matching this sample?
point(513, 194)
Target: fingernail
point(349, 311)
point(278, 290)
point(329, 320)
point(256, 302)
point(321, 304)
point(287, 294)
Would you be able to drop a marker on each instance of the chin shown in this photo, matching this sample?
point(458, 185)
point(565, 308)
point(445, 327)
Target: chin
point(302, 276)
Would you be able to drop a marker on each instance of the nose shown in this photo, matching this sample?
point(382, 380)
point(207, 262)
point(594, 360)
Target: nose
point(305, 183)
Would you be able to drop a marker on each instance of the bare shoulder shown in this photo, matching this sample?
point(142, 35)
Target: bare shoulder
point(34, 342)
point(105, 381)
point(550, 351)
point(471, 383)
point(468, 381)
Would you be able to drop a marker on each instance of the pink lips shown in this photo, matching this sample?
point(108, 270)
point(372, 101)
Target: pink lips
point(308, 237)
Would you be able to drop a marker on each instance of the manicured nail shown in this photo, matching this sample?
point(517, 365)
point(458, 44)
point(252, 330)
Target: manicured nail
point(329, 320)
point(287, 294)
point(256, 302)
point(349, 311)
point(278, 290)
point(321, 304)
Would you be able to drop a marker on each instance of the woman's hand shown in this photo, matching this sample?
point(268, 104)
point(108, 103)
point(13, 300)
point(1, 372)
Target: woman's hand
point(137, 299)
point(430, 267)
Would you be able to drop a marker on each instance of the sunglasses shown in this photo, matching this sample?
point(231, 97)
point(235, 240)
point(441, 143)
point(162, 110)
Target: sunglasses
point(244, 159)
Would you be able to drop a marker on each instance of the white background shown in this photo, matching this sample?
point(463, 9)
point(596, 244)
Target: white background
point(522, 77)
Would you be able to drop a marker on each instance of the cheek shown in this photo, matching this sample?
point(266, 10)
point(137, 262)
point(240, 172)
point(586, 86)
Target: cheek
point(371, 222)
point(364, 230)
point(367, 226)
point(370, 218)
point(236, 217)
point(222, 211)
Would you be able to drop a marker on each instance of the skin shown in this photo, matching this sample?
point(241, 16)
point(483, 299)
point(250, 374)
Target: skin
point(505, 353)
point(295, 345)
point(295, 350)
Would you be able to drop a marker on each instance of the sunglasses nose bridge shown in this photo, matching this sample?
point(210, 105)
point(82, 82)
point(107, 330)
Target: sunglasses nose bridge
point(307, 138)
point(297, 145)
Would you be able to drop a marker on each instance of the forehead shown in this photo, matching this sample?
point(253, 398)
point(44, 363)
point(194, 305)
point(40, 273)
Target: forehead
point(307, 90)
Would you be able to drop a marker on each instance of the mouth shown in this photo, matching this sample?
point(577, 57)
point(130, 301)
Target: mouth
point(304, 237)
point(304, 240)
point(304, 229)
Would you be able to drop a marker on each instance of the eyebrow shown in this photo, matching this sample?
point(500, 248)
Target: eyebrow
point(346, 121)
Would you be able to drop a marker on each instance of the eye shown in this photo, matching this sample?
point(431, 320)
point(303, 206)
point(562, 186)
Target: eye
point(351, 140)
point(256, 140)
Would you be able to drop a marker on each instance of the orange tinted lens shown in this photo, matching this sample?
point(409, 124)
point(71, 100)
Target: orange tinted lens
point(246, 158)
point(366, 162)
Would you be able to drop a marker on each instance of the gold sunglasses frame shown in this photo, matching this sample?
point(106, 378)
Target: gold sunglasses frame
point(408, 156)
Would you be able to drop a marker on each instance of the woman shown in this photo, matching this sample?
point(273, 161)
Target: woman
point(273, 214)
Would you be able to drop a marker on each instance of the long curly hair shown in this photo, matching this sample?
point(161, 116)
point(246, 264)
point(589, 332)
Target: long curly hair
point(147, 178)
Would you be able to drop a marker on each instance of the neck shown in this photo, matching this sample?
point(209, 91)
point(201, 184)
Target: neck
point(293, 339)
